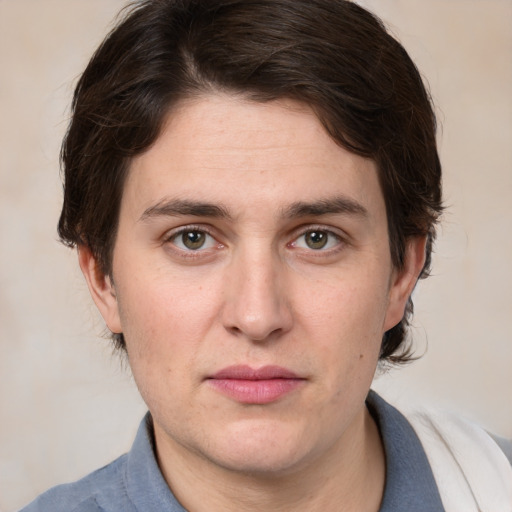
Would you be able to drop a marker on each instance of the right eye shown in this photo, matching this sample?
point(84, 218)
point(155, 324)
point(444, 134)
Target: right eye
point(192, 240)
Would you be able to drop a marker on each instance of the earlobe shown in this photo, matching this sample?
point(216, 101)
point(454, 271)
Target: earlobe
point(101, 288)
point(404, 280)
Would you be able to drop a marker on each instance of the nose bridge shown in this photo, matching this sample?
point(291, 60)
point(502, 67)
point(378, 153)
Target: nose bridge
point(257, 306)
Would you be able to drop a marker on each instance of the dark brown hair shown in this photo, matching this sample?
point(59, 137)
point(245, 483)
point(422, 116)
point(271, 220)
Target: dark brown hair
point(330, 54)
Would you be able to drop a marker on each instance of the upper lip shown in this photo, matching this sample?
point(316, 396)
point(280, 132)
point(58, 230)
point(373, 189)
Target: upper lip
point(245, 372)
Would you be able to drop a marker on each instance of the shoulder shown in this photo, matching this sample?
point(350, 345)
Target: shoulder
point(505, 445)
point(469, 465)
point(130, 483)
point(89, 493)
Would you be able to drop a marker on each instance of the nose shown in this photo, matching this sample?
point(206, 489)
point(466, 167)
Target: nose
point(257, 307)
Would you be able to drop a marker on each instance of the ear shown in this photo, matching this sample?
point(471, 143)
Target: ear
point(102, 289)
point(404, 280)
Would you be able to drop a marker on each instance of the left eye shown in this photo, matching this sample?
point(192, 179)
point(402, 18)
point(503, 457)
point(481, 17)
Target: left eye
point(317, 239)
point(193, 240)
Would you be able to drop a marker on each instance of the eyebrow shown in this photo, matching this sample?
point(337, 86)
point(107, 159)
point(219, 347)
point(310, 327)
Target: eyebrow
point(178, 207)
point(333, 205)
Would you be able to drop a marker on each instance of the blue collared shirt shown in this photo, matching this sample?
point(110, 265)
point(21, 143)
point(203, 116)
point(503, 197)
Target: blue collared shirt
point(134, 483)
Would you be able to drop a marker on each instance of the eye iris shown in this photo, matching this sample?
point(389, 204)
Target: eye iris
point(193, 239)
point(316, 239)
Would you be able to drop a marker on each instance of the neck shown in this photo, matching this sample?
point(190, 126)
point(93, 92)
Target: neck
point(349, 477)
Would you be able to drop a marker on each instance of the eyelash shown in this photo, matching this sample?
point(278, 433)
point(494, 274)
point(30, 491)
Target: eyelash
point(331, 235)
point(199, 252)
point(171, 238)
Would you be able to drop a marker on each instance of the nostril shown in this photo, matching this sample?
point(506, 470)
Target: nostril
point(256, 335)
point(234, 330)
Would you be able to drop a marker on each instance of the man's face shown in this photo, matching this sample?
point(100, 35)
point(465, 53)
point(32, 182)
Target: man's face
point(253, 283)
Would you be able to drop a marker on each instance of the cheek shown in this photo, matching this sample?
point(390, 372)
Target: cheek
point(353, 310)
point(154, 331)
point(162, 304)
point(164, 321)
point(346, 324)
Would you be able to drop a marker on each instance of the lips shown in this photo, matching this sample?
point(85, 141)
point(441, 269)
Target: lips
point(255, 386)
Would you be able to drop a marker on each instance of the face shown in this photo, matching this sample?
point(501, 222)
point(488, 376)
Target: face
point(253, 283)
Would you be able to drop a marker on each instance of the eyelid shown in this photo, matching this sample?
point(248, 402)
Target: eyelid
point(302, 230)
point(306, 228)
point(172, 234)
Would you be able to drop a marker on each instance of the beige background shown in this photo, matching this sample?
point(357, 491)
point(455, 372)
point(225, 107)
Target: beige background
point(66, 404)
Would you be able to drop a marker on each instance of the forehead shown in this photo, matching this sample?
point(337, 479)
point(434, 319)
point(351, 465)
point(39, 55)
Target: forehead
point(248, 153)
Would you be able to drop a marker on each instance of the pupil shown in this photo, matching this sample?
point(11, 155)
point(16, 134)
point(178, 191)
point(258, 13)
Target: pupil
point(193, 239)
point(316, 239)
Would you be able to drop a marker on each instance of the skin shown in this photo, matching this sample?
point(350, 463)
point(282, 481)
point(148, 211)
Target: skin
point(260, 291)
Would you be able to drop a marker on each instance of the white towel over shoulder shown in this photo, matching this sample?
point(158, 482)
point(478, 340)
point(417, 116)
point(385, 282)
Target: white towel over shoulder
point(472, 472)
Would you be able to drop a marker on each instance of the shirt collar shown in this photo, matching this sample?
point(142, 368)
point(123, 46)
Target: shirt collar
point(410, 484)
point(146, 487)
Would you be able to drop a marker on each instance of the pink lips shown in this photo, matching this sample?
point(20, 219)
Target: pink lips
point(249, 386)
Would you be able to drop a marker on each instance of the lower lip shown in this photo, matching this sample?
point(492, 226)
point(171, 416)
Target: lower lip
point(255, 391)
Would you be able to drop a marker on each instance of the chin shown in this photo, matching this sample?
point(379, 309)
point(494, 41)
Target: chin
point(259, 449)
point(262, 464)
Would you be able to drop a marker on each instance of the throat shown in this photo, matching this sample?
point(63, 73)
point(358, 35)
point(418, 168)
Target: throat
point(350, 478)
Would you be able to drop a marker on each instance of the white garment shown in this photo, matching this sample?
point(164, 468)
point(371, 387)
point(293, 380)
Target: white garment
point(471, 471)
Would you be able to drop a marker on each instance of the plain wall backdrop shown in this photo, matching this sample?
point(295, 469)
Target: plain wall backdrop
point(68, 406)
